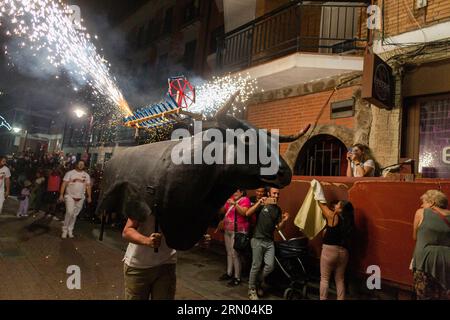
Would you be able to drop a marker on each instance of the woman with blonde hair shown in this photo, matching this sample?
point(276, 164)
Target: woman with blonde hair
point(431, 260)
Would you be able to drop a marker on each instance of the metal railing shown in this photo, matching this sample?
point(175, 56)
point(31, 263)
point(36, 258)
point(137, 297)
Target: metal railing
point(312, 27)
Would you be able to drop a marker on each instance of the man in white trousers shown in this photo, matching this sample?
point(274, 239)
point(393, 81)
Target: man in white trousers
point(5, 175)
point(76, 184)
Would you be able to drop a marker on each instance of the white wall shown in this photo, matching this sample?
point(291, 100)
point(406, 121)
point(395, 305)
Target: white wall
point(238, 12)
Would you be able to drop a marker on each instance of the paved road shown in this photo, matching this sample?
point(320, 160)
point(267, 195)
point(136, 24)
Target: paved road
point(34, 260)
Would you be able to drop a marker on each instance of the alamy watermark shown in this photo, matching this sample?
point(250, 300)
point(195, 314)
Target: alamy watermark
point(374, 17)
point(236, 146)
point(74, 279)
point(75, 15)
point(374, 280)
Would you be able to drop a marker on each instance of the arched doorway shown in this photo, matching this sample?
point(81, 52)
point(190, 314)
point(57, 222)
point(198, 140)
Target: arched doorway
point(322, 155)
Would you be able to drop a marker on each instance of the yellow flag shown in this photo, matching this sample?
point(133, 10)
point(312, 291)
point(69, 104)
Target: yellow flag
point(309, 218)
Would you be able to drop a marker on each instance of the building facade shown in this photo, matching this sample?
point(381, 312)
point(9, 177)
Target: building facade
point(164, 39)
point(309, 59)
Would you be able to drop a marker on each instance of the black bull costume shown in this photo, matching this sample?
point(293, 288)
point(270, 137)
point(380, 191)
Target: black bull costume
point(184, 198)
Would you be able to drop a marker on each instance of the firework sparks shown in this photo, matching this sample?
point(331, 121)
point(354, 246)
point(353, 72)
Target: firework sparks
point(45, 27)
point(213, 94)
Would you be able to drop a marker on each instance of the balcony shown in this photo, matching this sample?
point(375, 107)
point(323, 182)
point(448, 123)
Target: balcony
point(313, 28)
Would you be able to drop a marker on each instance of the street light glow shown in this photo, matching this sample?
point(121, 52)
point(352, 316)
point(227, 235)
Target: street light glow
point(16, 129)
point(79, 112)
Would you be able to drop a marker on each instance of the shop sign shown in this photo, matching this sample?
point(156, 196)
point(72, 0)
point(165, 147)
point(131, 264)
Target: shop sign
point(378, 82)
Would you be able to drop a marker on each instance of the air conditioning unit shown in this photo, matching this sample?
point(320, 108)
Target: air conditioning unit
point(421, 4)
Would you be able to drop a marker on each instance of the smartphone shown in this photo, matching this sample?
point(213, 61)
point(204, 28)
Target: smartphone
point(351, 151)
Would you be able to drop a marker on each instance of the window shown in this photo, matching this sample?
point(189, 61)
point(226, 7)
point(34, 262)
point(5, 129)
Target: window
point(218, 32)
point(322, 155)
point(191, 11)
point(343, 109)
point(426, 135)
point(168, 21)
point(189, 54)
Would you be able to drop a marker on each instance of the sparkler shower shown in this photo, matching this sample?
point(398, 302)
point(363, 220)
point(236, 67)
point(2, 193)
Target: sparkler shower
point(45, 28)
point(213, 94)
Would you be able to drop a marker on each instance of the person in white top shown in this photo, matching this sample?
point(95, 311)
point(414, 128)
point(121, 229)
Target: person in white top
point(76, 184)
point(5, 176)
point(148, 273)
point(358, 162)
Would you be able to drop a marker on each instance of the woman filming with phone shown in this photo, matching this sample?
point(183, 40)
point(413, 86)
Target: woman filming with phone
point(359, 163)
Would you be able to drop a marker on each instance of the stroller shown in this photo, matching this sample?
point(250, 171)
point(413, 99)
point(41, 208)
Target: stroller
point(289, 257)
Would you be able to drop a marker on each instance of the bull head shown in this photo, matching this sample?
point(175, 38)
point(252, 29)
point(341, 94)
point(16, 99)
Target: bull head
point(285, 166)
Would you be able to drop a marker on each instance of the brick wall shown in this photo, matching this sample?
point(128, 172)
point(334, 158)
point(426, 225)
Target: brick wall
point(292, 114)
point(398, 19)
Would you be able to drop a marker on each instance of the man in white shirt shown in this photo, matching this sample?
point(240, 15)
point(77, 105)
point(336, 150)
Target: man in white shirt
point(76, 184)
point(5, 176)
point(148, 273)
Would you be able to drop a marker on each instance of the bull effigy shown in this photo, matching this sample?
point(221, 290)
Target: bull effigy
point(185, 197)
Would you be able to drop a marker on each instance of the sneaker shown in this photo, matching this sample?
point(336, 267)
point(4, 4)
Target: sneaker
point(70, 235)
point(225, 276)
point(234, 282)
point(55, 218)
point(252, 295)
point(64, 235)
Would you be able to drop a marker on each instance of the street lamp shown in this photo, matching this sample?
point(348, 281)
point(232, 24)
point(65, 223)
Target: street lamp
point(80, 113)
point(16, 129)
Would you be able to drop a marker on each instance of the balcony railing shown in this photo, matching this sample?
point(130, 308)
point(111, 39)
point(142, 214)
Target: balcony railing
point(295, 27)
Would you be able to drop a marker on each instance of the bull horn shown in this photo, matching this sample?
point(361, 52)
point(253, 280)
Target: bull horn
point(292, 137)
point(290, 157)
point(227, 106)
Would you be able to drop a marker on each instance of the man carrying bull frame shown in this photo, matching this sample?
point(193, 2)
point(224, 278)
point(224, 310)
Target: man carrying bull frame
point(148, 272)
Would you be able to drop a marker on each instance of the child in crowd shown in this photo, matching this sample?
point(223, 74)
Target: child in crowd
point(24, 200)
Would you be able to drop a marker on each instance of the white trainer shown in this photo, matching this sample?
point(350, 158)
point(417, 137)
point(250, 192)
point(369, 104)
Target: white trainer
point(64, 235)
point(70, 235)
point(252, 295)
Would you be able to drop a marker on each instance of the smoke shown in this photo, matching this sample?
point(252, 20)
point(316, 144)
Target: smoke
point(141, 84)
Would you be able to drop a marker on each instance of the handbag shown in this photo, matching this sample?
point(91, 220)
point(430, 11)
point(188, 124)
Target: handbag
point(241, 239)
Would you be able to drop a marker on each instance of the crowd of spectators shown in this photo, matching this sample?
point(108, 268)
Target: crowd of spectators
point(42, 174)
